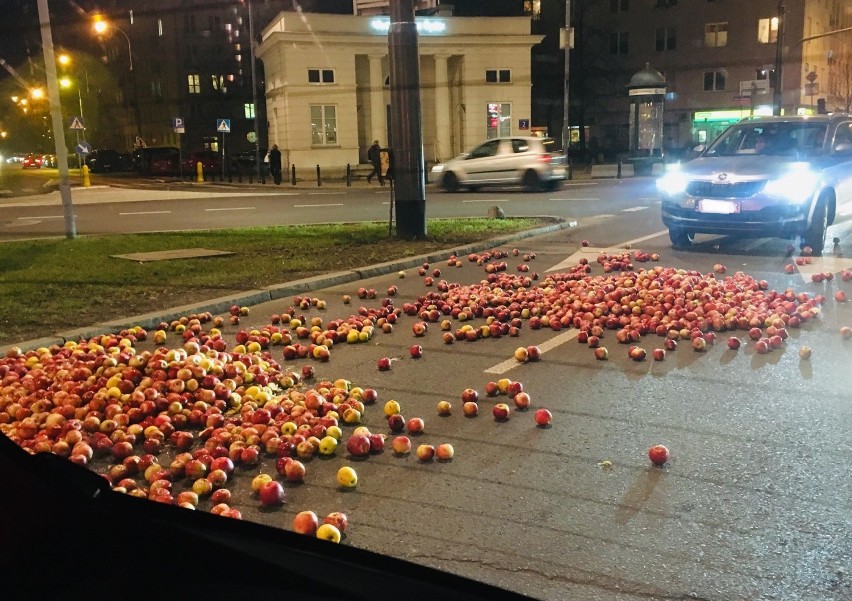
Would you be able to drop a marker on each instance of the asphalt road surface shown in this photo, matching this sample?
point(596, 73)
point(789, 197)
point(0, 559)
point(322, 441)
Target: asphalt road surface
point(755, 503)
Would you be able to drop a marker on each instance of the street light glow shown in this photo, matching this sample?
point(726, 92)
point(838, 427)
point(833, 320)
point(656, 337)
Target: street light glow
point(65, 82)
point(64, 59)
point(99, 25)
point(37, 93)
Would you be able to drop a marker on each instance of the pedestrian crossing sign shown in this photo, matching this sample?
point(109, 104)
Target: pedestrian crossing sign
point(76, 123)
point(223, 125)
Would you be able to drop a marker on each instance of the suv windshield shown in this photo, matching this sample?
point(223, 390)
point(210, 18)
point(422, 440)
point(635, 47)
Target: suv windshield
point(786, 138)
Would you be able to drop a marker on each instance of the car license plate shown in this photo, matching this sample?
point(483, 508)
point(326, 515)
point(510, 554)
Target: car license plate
point(723, 207)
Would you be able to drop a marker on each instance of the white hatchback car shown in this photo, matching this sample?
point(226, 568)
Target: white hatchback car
point(527, 161)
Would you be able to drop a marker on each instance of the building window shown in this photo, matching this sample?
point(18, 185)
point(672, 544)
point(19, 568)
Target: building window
point(532, 8)
point(619, 5)
point(714, 81)
point(323, 124)
point(715, 35)
point(320, 76)
point(498, 120)
point(218, 83)
point(618, 42)
point(666, 39)
point(498, 76)
point(160, 27)
point(194, 83)
point(767, 30)
point(189, 23)
point(156, 89)
point(248, 110)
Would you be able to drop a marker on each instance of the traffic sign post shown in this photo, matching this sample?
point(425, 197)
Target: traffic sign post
point(223, 126)
point(180, 127)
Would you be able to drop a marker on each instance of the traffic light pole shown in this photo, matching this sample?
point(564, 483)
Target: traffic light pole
point(407, 157)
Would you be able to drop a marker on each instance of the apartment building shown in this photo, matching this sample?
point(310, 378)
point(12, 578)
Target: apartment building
point(718, 58)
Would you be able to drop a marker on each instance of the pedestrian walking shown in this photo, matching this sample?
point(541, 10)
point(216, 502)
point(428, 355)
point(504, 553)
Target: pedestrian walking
point(275, 163)
point(374, 155)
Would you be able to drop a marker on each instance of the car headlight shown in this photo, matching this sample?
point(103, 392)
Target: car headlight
point(437, 169)
point(673, 182)
point(796, 186)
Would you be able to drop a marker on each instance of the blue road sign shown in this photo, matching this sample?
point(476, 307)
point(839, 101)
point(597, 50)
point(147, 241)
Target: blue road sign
point(178, 125)
point(223, 126)
point(84, 148)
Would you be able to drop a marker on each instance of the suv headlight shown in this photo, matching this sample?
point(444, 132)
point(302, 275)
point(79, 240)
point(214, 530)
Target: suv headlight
point(673, 182)
point(796, 186)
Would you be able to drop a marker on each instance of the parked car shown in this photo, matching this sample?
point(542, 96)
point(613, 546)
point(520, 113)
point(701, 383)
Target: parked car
point(156, 160)
point(211, 162)
point(31, 161)
point(793, 187)
point(527, 161)
point(107, 160)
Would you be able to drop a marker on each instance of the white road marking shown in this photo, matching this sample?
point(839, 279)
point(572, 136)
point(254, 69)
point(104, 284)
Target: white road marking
point(643, 238)
point(590, 198)
point(823, 265)
point(318, 205)
point(547, 345)
point(147, 213)
point(488, 200)
point(325, 193)
point(43, 217)
point(633, 209)
point(232, 209)
point(580, 184)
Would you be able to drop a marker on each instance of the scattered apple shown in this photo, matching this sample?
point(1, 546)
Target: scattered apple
point(658, 454)
point(543, 417)
point(346, 477)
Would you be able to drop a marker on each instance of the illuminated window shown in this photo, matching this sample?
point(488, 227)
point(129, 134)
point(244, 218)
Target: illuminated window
point(715, 35)
point(248, 110)
point(160, 27)
point(498, 76)
point(498, 116)
point(323, 124)
point(532, 8)
point(767, 30)
point(194, 83)
point(321, 76)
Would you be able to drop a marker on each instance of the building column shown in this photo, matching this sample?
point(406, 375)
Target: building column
point(378, 116)
point(442, 108)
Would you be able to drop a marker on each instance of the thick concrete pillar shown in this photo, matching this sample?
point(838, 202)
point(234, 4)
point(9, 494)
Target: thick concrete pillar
point(442, 108)
point(378, 119)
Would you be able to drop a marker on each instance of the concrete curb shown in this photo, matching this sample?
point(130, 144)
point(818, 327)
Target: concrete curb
point(253, 297)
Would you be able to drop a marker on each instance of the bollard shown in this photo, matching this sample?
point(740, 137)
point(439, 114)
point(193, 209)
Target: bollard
point(570, 169)
point(293, 174)
point(86, 181)
point(319, 179)
point(199, 172)
point(618, 173)
point(348, 175)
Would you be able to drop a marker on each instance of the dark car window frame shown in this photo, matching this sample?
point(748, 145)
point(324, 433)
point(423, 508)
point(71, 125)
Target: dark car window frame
point(785, 138)
point(485, 150)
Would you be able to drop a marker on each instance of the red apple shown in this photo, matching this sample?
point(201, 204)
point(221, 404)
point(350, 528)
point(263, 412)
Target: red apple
point(658, 454)
point(543, 417)
point(416, 351)
point(401, 445)
point(425, 452)
point(294, 471)
point(444, 452)
point(271, 494)
point(415, 425)
point(358, 445)
point(396, 422)
point(306, 522)
point(338, 519)
point(383, 364)
point(521, 400)
point(500, 411)
point(470, 409)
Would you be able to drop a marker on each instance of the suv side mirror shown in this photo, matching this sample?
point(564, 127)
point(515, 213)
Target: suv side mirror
point(843, 148)
point(700, 148)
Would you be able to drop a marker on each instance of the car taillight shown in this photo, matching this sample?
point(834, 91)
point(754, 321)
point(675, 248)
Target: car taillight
point(544, 158)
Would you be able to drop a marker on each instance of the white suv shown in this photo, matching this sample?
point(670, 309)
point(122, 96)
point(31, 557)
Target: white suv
point(527, 161)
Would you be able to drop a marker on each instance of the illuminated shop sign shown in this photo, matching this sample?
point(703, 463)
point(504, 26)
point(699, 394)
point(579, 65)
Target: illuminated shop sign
point(424, 26)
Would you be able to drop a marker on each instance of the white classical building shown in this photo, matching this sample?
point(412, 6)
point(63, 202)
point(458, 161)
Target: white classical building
point(328, 92)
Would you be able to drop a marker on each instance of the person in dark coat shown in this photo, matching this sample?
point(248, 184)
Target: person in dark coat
point(374, 155)
point(275, 163)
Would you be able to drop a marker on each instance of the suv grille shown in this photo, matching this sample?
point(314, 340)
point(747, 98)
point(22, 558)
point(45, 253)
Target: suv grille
point(733, 190)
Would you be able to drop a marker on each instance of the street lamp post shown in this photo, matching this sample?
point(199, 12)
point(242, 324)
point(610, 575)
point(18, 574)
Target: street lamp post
point(779, 45)
point(101, 26)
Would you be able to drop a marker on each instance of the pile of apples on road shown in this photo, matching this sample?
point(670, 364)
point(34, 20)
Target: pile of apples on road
point(184, 424)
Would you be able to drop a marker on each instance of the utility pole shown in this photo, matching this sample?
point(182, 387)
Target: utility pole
point(567, 40)
point(254, 92)
point(56, 116)
point(779, 62)
point(406, 158)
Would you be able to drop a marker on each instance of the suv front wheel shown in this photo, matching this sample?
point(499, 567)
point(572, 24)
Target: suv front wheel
point(680, 237)
point(814, 236)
